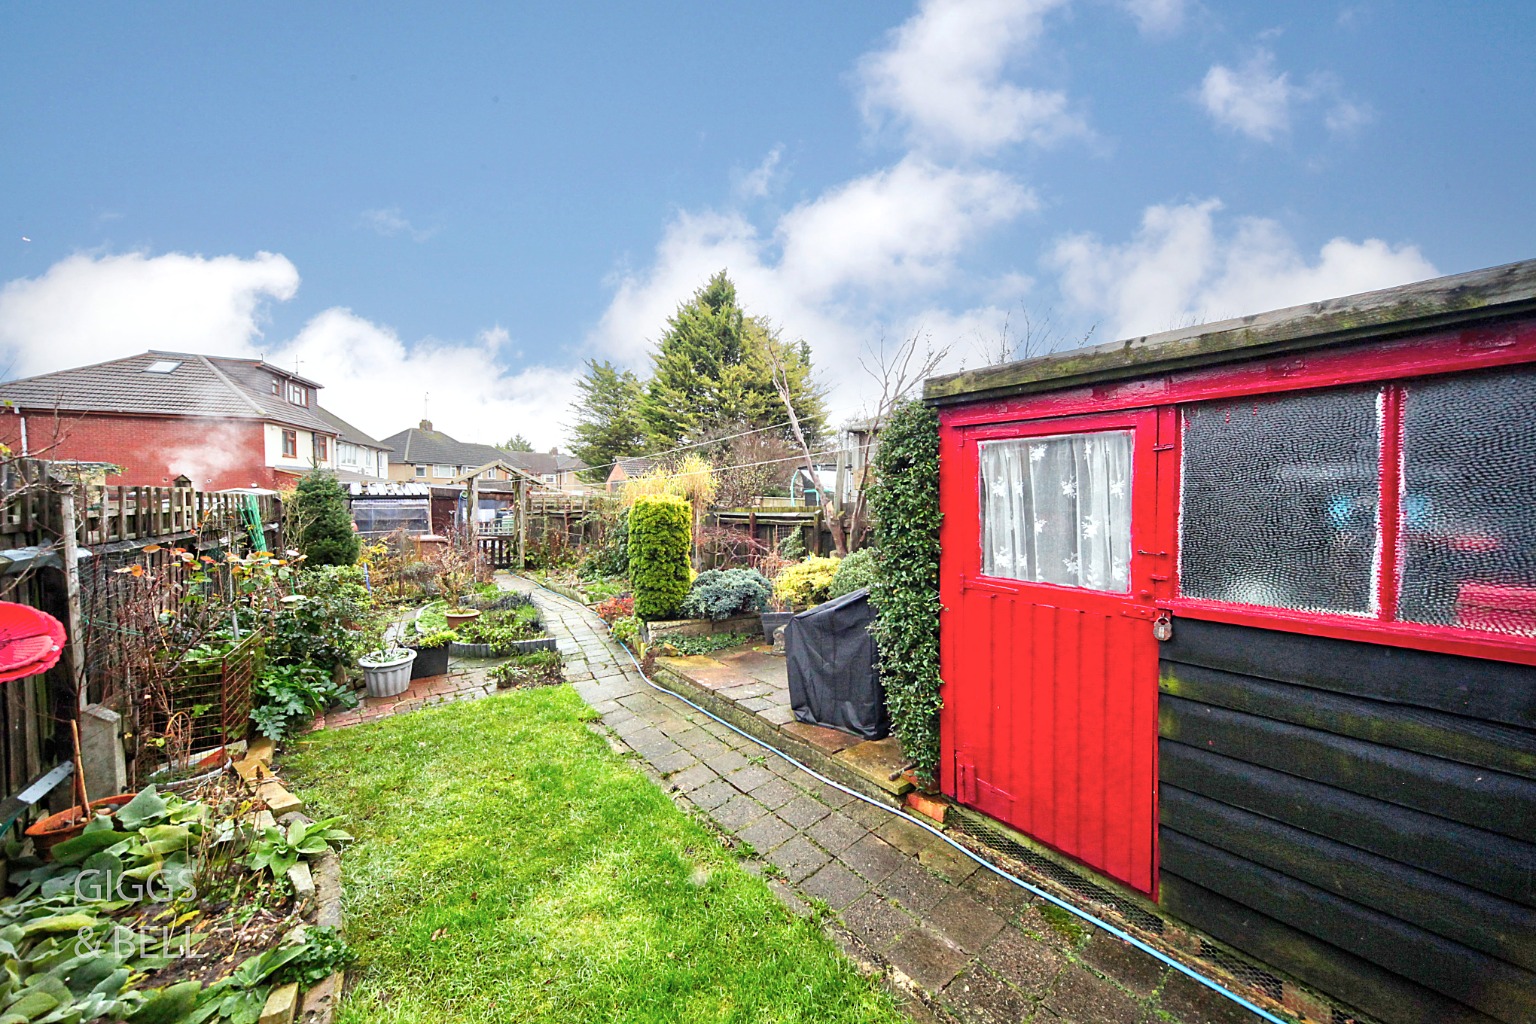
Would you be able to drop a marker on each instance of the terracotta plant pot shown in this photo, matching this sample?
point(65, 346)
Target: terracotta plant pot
point(67, 824)
point(458, 618)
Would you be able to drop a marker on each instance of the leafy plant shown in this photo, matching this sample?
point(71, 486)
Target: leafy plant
point(856, 572)
point(905, 593)
point(615, 608)
point(721, 593)
point(806, 583)
point(326, 535)
point(612, 558)
point(535, 667)
point(626, 629)
point(433, 640)
point(286, 697)
point(276, 850)
point(603, 590)
point(689, 645)
point(660, 535)
point(313, 623)
point(792, 547)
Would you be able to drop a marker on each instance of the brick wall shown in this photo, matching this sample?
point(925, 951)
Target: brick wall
point(152, 450)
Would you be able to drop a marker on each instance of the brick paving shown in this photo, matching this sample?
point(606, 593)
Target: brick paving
point(970, 946)
point(464, 680)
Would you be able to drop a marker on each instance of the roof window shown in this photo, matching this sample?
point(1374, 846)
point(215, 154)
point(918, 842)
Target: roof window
point(162, 366)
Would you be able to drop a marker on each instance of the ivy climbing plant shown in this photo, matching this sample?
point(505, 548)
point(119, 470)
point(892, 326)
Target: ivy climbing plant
point(905, 591)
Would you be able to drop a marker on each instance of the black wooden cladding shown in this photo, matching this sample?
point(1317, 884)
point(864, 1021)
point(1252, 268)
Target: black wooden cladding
point(1320, 795)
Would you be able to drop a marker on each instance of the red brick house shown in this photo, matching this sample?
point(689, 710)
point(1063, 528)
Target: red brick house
point(220, 422)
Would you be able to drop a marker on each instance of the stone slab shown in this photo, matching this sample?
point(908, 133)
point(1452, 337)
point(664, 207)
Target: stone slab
point(282, 1004)
point(877, 761)
point(828, 741)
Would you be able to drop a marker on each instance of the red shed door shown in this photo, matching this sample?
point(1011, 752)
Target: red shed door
point(1050, 659)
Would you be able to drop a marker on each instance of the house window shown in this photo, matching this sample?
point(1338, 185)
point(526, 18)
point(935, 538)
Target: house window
point(162, 366)
point(321, 448)
point(290, 444)
point(298, 394)
point(277, 386)
point(1409, 503)
point(442, 471)
point(549, 478)
point(1058, 509)
point(421, 470)
point(346, 454)
point(1279, 501)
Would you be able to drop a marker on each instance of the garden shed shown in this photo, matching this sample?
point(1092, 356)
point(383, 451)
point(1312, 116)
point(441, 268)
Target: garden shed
point(1242, 619)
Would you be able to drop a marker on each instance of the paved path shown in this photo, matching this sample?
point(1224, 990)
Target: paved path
point(975, 947)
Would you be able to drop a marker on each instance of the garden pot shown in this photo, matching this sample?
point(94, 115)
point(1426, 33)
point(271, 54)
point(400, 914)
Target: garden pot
point(430, 661)
point(387, 673)
point(457, 619)
point(772, 621)
point(49, 832)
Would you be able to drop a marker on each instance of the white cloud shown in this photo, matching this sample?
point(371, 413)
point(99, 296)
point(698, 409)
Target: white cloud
point(390, 221)
point(87, 309)
point(759, 182)
point(1346, 116)
point(1157, 17)
point(942, 78)
point(1181, 268)
point(373, 379)
point(864, 258)
point(895, 230)
point(1253, 99)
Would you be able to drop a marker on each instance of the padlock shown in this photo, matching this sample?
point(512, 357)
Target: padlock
point(1162, 626)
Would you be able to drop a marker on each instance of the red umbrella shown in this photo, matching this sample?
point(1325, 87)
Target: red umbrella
point(30, 641)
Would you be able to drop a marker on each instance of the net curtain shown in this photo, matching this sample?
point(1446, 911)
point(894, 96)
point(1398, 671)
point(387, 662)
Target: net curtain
point(1058, 509)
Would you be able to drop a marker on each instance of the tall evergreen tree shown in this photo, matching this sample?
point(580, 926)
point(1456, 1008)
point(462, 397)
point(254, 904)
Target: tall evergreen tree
point(608, 421)
point(325, 521)
point(712, 368)
point(518, 443)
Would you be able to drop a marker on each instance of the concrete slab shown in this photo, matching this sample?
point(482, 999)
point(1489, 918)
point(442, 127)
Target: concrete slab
point(877, 761)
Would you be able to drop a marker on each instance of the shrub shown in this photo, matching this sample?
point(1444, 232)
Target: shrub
point(792, 546)
point(806, 583)
point(286, 697)
point(615, 608)
point(660, 535)
point(314, 623)
point(905, 502)
point(721, 593)
point(856, 572)
point(432, 641)
point(612, 559)
point(626, 630)
point(326, 536)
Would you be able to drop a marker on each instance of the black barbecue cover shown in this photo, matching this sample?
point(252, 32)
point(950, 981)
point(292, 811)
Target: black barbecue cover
point(834, 669)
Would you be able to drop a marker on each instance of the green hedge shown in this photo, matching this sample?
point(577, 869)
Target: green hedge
point(905, 592)
point(660, 537)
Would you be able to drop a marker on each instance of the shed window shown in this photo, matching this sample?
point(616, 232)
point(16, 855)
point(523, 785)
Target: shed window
point(1280, 499)
point(1058, 509)
point(1469, 503)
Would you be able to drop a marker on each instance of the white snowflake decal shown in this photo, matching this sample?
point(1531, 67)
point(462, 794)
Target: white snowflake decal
point(1069, 488)
point(1117, 488)
point(1039, 525)
point(1036, 452)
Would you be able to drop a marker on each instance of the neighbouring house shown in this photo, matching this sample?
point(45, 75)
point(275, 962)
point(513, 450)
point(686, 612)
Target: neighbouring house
point(628, 469)
point(219, 422)
point(359, 457)
point(1239, 621)
point(554, 470)
point(429, 456)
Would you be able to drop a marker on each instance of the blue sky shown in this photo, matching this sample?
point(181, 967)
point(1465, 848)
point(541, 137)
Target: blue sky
point(468, 200)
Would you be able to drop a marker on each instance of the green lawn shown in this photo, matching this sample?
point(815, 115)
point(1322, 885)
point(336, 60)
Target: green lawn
point(511, 867)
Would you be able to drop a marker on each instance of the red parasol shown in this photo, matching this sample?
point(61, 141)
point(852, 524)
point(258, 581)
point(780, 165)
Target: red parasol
point(30, 641)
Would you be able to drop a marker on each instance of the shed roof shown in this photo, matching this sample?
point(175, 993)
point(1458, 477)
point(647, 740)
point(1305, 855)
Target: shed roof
point(1443, 302)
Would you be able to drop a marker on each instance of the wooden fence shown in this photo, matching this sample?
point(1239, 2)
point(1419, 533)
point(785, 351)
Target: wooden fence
point(110, 527)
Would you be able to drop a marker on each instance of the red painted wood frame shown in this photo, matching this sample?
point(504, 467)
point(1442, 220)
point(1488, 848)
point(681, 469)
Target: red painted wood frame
point(1402, 359)
point(1050, 706)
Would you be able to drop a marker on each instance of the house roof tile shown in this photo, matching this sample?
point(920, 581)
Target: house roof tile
point(184, 384)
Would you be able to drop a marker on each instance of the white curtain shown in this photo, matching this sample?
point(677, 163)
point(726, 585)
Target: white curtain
point(1058, 509)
